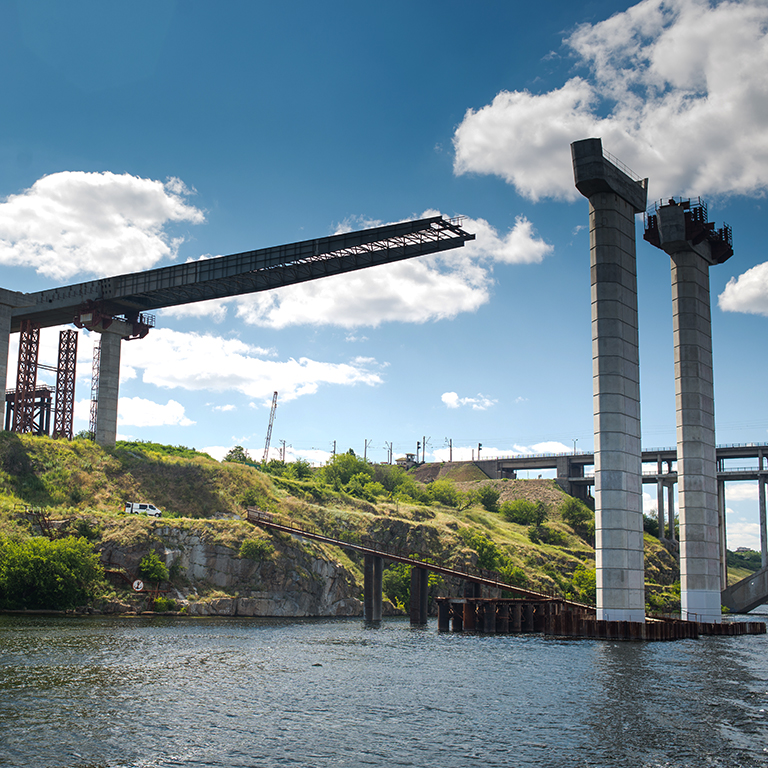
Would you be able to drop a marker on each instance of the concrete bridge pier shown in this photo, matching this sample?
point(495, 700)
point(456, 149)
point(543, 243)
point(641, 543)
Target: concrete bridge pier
point(373, 572)
point(614, 200)
point(682, 231)
point(109, 379)
point(419, 595)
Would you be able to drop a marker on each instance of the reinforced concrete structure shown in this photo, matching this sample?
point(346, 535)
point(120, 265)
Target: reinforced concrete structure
point(116, 307)
point(615, 198)
point(681, 230)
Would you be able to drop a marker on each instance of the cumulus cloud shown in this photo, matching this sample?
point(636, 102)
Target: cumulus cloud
point(140, 412)
point(479, 403)
point(192, 361)
point(675, 88)
point(73, 222)
point(747, 293)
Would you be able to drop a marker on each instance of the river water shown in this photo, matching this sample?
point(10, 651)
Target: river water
point(156, 691)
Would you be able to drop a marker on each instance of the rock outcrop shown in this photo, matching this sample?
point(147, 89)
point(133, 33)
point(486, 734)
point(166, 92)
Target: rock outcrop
point(211, 579)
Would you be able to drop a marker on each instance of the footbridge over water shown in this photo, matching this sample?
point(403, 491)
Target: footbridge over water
point(530, 611)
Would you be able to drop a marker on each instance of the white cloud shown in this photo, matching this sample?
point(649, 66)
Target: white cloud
point(224, 408)
point(747, 292)
point(194, 361)
point(101, 224)
point(741, 533)
point(741, 491)
point(139, 412)
point(479, 403)
point(675, 88)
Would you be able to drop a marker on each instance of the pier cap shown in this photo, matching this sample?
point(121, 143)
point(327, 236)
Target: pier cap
point(593, 173)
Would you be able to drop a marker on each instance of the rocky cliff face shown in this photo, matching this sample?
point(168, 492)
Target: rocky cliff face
point(294, 581)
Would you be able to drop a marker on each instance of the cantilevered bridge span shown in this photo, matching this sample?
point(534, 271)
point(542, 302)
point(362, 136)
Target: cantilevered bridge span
point(118, 307)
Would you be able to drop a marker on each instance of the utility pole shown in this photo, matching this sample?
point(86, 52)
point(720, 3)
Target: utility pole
point(333, 453)
point(388, 446)
point(450, 449)
point(282, 451)
point(418, 445)
point(365, 451)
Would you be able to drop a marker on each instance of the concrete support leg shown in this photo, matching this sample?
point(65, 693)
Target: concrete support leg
point(372, 578)
point(700, 566)
point(419, 595)
point(109, 386)
point(5, 339)
point(671, 511)
point(723, 533)
point(660, 507)
point(614, 199)
point(763, 527)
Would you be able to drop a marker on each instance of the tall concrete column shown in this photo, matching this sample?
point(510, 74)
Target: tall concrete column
point(761, 480)
point(614, 200)
point(5, 339)
point(681, 230)
point(373, 573)
point(9, 300)
point(671, 511)
point(109, 380)
point(721, 509)
point(660, 507)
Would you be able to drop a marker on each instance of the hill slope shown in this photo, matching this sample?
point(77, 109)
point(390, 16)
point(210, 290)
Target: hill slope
point(82, 489)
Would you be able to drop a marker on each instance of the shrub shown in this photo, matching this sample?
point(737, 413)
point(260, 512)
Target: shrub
point(153, 568)
point(488, 496)
point(163, 604)
point(444, 492)
point(584, 583)
point(39, 573)
point(524, 512)
point(576, 513)
point(256, 549)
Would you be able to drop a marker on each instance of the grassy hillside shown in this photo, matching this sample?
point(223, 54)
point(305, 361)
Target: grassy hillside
point(83, 487)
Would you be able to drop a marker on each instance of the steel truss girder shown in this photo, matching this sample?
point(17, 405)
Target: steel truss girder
point(247, 272)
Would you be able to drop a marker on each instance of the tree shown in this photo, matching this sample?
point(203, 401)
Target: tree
point(444, 492)
point(153, 568)
point(238, 454)
point(39, 573)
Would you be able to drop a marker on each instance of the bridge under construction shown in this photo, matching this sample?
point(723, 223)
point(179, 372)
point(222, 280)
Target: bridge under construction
point(119, 308)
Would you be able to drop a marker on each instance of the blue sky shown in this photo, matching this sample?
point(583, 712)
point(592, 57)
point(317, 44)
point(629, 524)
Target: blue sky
point(143, 134)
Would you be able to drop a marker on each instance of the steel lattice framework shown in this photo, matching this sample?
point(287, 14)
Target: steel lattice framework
point(96, 367)
point(26, 378)
point(64, 409)
point(241, 273)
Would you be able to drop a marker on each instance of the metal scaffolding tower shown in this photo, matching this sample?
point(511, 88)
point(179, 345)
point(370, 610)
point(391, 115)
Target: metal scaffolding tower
point(26, 377)
point(64, 409)
point(95, 387)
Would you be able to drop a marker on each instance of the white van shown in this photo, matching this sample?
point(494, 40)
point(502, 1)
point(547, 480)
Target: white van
point(134, 508)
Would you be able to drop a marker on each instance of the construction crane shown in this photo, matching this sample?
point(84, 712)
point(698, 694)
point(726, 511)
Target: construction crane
point(269, 429)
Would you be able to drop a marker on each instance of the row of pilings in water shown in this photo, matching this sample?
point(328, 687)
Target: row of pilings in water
point(558, 618)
